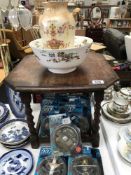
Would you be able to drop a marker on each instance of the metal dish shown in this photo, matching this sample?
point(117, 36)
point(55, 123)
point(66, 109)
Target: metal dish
point(66, 138)
point(85, 165)
point(52, 165)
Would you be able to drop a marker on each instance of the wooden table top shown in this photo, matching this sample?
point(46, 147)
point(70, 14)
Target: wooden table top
point(97, 47)
point(30, 76)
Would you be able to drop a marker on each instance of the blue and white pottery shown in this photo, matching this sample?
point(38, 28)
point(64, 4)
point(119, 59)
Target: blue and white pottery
point(4, 112)
point(16, 146)
point(16, 105)
point(14, 132)
point(16, 162)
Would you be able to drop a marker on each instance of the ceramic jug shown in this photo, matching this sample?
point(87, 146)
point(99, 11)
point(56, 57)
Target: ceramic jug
point(57, 26)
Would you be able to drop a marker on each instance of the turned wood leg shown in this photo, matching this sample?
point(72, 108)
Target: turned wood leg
point(26, 99)
point(98, 97)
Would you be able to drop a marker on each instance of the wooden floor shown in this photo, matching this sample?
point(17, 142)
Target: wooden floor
point(2, 75)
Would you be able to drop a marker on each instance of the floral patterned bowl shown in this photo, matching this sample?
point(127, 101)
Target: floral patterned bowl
point(62, 61)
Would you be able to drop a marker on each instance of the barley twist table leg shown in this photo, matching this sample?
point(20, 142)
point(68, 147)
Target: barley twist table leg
point(98, 97)
point(26, 99)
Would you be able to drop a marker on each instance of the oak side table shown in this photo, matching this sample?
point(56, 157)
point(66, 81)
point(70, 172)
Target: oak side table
point(30, 77)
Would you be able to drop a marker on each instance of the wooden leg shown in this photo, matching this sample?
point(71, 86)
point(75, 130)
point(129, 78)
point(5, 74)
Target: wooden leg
point(98, 97)
point(26, 99)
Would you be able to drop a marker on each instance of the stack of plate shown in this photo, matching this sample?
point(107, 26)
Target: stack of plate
point(4, 113)
point(14, 133)
point(109, 113)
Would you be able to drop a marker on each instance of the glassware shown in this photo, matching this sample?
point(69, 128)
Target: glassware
point(14, 3)
point(4, 4)
point(13, 18)
point(25, 17)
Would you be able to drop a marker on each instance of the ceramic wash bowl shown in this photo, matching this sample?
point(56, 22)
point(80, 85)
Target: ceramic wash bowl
point(62, 61)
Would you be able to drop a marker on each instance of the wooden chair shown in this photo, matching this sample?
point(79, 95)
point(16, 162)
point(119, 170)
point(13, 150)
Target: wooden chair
point(5, 59)
point(95, 24)
point(18, 47)
point(35, 32)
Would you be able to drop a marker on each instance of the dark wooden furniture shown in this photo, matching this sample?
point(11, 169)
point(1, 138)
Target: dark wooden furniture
point(94, 29)
point(125, 78)
point(123, 70)
point(30, 77)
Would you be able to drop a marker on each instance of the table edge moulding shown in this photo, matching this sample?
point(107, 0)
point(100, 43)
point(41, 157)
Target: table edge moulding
point(30, 77)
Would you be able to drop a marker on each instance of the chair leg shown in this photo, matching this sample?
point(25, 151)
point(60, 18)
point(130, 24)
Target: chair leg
point(5, 56)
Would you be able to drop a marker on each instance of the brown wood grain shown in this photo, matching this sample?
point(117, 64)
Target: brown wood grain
point(29, 75)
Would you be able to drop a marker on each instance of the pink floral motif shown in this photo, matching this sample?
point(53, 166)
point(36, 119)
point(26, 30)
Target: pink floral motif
point(53, 30)
point(60, 30)
point(55, 44)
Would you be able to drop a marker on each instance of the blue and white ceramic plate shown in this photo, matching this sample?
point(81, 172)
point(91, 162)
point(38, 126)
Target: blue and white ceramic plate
point(14, 132)
point(16, 162)
point(17, 145)
point(16, 105)
point(4, 112)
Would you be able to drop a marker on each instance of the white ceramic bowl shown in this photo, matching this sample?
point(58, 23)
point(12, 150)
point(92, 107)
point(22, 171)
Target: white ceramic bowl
point(62, 60)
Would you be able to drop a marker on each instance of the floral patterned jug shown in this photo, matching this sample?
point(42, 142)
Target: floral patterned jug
point(57, 26)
